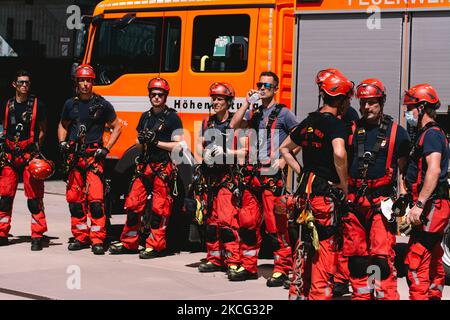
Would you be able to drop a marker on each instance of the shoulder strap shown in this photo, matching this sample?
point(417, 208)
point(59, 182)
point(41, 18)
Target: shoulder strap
point(392, 139)
point(360, 140)
point(381, 137)
point(271, 123)
point(32, 111)
point(210, 122)
point(160, 120)
point(255, 118)
point(352, 130)
point(428, 126)
point(274, 115)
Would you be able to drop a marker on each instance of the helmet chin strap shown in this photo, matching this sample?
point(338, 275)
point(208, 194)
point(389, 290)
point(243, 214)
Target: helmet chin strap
point(318, 101)
point(419, 121)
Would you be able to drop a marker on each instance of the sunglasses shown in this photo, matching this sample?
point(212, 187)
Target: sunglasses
point(157, 94)
point(265, 85)
point(23, 82)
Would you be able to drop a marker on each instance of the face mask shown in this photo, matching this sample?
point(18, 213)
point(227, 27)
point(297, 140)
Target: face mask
point(409, 116)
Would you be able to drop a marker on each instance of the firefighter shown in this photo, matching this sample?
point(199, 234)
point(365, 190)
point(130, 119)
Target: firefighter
point(80, 132)
point(341, 279)
point(150, 200)
point(219, 167)
point(24, 128)
point(426, 181)
point(270, 123)
point(380, 147)
point(322, 137)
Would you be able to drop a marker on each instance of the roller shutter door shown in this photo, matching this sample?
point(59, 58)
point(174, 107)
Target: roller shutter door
point(344, 41)
point(430, 53)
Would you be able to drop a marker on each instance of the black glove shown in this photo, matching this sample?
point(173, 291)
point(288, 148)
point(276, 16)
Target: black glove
point(63, 147)
point(147, 136)
point(400, 205)
point(100, 154)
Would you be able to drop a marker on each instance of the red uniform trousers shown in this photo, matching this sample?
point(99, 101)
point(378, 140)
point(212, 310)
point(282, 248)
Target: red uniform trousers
point(368, 242)
point(342, 275)
point(34, 191)
point(426, 277)
point(222, 239)
point(317, 269)
point(85, 196)
point(250, 218)
point(158, 176)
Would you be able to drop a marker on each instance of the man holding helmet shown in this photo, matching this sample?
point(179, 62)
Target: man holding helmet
point(380, 147)
point(24, 129)
point(152, 185)
point(218, 144)
point(426, 181)
point(80, 133)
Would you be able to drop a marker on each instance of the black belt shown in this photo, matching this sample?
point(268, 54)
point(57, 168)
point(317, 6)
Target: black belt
point(374, 192)
point(320, 186)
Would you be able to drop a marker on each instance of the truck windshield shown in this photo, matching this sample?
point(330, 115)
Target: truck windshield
point(136, 48)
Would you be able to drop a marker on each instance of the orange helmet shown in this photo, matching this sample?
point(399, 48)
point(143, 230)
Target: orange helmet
point(85, 71)
point(323, 74)
point(222, 89)
point(41, 169)
point(371, 88)
point(422, 93)
point(337, 85)
point(158, 83)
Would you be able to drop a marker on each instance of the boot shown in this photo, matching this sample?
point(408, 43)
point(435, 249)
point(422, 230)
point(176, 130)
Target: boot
point(4, 241)
point(36, 244)
point(242, 274)
point(149, 253)
point(210, 267)
point(119, 248)
point(77, 245)
point(98, 249)
point(277, 279)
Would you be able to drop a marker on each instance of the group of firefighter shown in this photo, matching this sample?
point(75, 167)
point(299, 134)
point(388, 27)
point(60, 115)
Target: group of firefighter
point(358, 178)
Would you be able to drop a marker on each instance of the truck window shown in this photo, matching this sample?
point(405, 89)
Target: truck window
point(135, 48)
point(220, 43)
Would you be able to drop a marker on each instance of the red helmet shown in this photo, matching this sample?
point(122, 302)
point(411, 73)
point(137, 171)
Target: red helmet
point(371, 88)
point(424, 93)
point(158, 83)
point(222, 89)
point(41, 169)
point(85, 71)
point(323, 74)
point(337, 85)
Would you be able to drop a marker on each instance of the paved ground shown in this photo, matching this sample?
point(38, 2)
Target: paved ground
point(53, 272)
